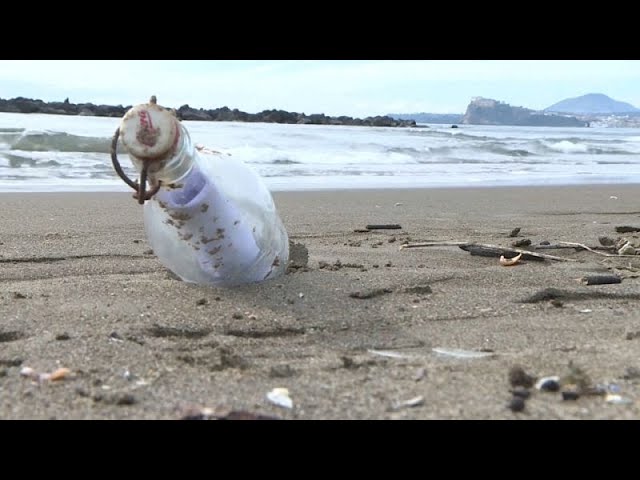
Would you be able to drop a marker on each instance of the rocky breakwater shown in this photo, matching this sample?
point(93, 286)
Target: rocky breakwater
point(485, 111)
point(185, 112)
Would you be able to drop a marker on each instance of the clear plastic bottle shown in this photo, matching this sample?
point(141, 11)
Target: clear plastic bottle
point(212, 221)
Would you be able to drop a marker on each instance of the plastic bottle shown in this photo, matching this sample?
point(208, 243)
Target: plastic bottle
point(212, 220)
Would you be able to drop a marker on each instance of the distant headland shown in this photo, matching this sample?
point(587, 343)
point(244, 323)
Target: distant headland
point(185, 112)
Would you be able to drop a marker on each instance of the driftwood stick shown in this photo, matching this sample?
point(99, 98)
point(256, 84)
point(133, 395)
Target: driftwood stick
point(572, 244)
point(560, 246)
point(489, 250)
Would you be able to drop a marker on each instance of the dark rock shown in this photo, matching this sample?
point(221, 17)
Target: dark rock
point(516, 404)
point(519, 378)
point(521, 392)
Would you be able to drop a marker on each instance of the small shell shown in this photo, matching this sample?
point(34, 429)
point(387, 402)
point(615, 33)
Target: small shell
point(59, 374)
point(617, 399)
point(27, 372)
point(508, 262)
point(413, 402)
point(548, 384)
point(459, 353)
point(280, 397)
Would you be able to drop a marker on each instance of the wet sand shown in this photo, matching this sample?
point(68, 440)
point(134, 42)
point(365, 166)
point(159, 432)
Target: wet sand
point(81, 290)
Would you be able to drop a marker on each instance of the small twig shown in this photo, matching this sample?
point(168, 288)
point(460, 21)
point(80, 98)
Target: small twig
point(497, 250)
point(572, 244)
point(557, 246)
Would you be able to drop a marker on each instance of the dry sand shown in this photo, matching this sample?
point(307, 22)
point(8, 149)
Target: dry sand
point(80, 290)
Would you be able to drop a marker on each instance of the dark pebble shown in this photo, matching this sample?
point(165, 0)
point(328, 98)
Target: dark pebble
point(201, 301)
point(136, 241)
point(126, 399)
point(18, 295)
point(82, 392)
point(115, 336)
point(516, 404)
point(281, 371)
point(570, 395)
point(63, 336)
point(237, 316)
point(525, 242)
point(148, 251)
point(550, 386)
point(519, 378)
point(545, 242)
point(514, 232)
point(3, 372)
point(521, 392)
point(557, 303)
point(631, 373)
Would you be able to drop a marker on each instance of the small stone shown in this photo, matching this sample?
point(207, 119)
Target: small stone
point(525, 242)
point(281, 371)
point(388, 264)
point(391, 239)
point(149, 251)
point(18, 295)
point(237, 316)
point(521, 392)
point(201, 301)
point(631, 373)
point(516, 404)
point(545, 242)
point(606, 241)
point(63, 336)
point(570, 395)
point(136, 241)
point(519, 378)
point(126, 399)
point(514, 232)
point(115, 336)
point(557, 303)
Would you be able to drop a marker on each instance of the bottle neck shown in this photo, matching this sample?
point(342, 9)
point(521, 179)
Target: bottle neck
point(175, 167)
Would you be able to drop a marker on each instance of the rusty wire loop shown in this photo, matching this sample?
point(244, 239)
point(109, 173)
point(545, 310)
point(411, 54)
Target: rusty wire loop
point(140, 187)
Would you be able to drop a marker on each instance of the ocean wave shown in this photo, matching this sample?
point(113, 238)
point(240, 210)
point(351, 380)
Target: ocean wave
point(36, 141)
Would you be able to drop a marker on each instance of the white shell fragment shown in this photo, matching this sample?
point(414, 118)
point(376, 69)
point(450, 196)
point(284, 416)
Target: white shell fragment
point(464, 354)
point(509, 262)
point(413, 402)
point(28, 372)
point(280, 397)
point(617, 399)
point(388, 354)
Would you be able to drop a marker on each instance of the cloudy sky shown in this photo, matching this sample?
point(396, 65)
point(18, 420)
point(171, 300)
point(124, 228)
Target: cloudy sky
point(337, 87)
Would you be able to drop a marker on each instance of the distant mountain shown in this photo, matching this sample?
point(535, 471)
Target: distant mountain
point(486, 111)
point(429, 117)
point(592, 104)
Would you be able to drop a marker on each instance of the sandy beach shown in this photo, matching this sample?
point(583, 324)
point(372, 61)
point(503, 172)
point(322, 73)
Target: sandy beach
point(354, 335)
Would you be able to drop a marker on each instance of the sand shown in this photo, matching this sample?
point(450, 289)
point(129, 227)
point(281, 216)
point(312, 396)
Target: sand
point(81, 290)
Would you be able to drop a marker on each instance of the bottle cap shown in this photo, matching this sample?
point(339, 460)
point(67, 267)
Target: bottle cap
point(149, 131)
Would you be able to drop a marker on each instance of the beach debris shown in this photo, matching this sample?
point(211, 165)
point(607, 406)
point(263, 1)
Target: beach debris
point(462, 354)
point(280, 397)
point(418, 289)
point(63, 336)
point(525, 242)
point(202, 301)
point(519, 378)
point(390, 226)
point(412, 402)
point(389, 354)
point(370, 293)
point(58, 374)
point(19, 295)
point(557, 303)
point(600, 279)
point(616, 399)
point(515, 232)
point(516, 404)
point(585, 310)
point(398, 204)
point(613, 197)
point(627, 249)
point(548, 384)
point(627, 229)
point(509, 262)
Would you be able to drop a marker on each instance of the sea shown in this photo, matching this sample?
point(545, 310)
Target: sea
point(40, 153)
